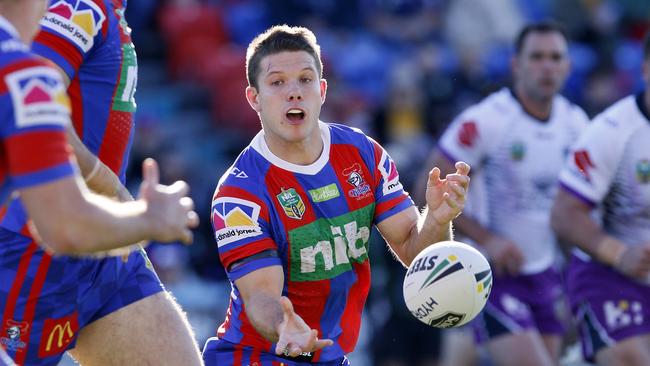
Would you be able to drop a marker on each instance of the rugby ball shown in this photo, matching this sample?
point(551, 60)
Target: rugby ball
point(447, 284)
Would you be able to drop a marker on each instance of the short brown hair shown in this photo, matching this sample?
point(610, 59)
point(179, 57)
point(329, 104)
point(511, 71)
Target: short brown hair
point(278, 39)
point(547, 26)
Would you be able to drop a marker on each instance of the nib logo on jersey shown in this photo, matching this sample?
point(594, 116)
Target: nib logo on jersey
point(389, 174)
point(77, 20)
point(39, 97)
point(234, 219)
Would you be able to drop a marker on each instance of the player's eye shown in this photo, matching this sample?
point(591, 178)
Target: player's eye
point(305, 80)
point(277, 82)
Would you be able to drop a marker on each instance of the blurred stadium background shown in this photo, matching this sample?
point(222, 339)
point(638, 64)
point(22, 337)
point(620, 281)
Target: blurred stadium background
point(398, 69)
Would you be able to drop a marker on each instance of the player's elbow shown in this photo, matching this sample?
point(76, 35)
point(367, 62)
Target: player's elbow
point(61, 240)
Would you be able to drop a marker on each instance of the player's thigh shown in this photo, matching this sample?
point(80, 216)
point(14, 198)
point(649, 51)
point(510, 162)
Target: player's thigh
point(151, 331)
point(516, 349)
point(634, 351)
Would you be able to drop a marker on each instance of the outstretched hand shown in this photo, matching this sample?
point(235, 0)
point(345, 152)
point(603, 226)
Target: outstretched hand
point(446, 197)
point(295, 336)
point(170, 211)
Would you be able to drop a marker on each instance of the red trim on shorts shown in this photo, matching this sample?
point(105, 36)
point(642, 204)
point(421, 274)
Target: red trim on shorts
point(21, 273)
point(237, 355)
point(34, 294)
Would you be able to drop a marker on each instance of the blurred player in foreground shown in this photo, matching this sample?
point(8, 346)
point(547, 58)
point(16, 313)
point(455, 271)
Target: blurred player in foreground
point(609, 273)
point(107, 309)
point(518, 138)
point(292, 216)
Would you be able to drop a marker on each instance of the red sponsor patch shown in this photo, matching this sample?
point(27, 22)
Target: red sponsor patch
point(468, 133)
point(583, 162)
point(57, 335)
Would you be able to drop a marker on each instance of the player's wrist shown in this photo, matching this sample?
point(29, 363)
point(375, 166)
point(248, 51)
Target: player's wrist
point(610, 251)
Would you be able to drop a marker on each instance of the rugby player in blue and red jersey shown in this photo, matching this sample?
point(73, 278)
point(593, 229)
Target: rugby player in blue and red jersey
point(106, 308)
point(292, 217)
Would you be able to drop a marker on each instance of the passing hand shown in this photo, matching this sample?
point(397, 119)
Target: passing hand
point(295, 336)
point(170, 211)
point(446, 197)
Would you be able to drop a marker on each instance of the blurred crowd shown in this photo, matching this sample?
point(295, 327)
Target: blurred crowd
point(398, 69)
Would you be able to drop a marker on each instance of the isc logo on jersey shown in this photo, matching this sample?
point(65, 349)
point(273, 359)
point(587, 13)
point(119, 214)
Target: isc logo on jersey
point(77, 20)
point(389, 174)
point(39, 97)
point(234, 219)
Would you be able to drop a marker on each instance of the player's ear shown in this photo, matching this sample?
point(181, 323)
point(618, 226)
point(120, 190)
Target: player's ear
point(514, 65)
point(251, 96)
point(645, 71)
point(323, 90)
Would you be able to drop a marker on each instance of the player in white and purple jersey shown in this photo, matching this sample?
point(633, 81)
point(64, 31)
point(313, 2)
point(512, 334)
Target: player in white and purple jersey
point(40, 292)
point(518, 139)
point(609, 275)
point(292, 217)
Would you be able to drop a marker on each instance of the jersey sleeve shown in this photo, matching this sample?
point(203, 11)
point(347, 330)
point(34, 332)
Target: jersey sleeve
point(592, 163)
point(390, 196)
point(240, 221)
point(69, 31)
point(468, 138)
point(37, 115)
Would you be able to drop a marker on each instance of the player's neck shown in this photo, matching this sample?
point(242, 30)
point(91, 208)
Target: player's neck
point(304, 152)
point(537, 108)
point(646, 99)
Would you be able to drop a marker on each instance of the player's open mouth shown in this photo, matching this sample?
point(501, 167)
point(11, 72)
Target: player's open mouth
point(295, 115)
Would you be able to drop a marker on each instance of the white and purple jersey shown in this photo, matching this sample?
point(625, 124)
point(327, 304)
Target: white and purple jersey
point(520, 158)
point(610, 169)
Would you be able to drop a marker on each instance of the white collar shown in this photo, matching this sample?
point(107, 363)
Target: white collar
point(259, 144)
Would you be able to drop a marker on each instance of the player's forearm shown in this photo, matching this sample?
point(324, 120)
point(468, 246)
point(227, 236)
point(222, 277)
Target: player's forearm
point(100, 224)
point(426, 232)
point(576, 227)
point(99, 178)
point(265, 314)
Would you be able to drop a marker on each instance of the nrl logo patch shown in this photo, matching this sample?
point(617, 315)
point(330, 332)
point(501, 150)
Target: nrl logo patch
point(292, 203)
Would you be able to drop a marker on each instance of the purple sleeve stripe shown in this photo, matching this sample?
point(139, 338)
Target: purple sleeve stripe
point(407, 203)
point(577, 195)
point(253, 265)
point(43, 176)
point(55, 57)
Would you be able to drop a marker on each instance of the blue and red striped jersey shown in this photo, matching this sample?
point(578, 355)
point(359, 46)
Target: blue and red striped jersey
point(317, 218)
point(90, 41)
point(35, 111)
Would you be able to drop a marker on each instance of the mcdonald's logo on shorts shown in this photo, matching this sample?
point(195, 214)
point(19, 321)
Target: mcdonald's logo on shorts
point(57, 335)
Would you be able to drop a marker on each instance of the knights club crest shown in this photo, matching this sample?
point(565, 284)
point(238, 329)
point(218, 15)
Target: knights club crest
point(292, 203)
point(354, 176)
